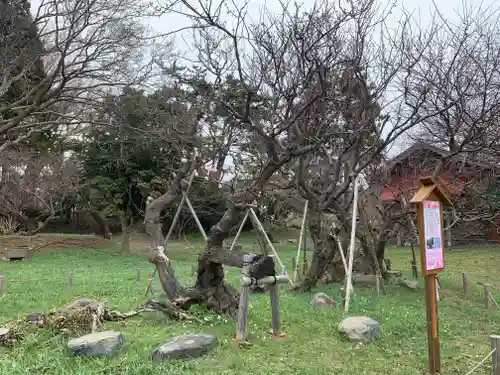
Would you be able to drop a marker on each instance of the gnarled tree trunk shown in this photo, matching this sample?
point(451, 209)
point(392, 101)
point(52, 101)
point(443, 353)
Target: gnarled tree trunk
point(219, 295)
point(100, 219)
point(325, 249)
point(126, 224)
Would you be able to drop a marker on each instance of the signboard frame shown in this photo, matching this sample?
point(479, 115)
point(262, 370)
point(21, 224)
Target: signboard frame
point(431, 237)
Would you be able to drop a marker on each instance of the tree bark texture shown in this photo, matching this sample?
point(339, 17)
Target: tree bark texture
point(100, 219)
point(324, 250)
point(210, 288)
point(126, 224)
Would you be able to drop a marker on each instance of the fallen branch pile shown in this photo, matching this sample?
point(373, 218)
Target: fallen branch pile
point(78, 318)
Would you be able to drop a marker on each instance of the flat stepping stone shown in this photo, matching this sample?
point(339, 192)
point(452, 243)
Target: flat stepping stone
point(360, 328)
point(97, 344)
point(4, 331)
point(192, 345)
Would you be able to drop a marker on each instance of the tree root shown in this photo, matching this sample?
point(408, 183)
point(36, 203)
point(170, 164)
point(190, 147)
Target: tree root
point(222, 299)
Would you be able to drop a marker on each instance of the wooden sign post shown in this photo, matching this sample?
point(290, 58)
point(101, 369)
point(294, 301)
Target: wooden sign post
point(430, 200)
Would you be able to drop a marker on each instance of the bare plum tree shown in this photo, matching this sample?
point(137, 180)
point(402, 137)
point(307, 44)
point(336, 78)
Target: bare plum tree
point(460, 73)
point(57, 61)
point(35, 190)
point(267, 76)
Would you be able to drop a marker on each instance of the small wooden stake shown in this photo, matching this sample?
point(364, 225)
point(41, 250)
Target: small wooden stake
point(487, 298)
point(137, 274)
point(275, 310)
point(495, 357)
point(465, 282)
point(377, 284)
point(432, 324)
point(1, 285)
point(70, 280)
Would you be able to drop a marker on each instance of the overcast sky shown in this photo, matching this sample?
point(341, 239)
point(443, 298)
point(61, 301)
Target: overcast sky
point(420, 8)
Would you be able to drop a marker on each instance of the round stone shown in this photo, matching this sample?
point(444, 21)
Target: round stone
point(4, 331)
point(360, 328)
point(97, 344)
point(185, 347)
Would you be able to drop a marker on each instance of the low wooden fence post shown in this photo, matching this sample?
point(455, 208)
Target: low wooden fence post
point(495, 357)
point(1, 285)
point(487, 298)
point(465, 282)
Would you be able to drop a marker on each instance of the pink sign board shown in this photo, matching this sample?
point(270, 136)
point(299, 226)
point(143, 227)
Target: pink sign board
point(434, 257)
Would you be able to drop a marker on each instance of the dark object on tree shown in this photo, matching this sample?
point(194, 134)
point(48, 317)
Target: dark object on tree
point(262, 266)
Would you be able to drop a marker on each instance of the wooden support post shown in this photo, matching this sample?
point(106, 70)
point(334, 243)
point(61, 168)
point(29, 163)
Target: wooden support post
point(448, 221)
point(414, 261)
point(377, 283)
point(179, 208)
point(296, 270)
point(267, 280)
point(1, 285)
point(487, 296)
point(352, 244)
point(432, 324)
point(233, 244)
point(243, 305)
point(495, 357)
point(295, 265)
point(275, 310)
point(465, 282)
point(150, 283)
point(70, 280)
point(195, 217)
point(137, 274)
point(430, 200)
point(305, 266)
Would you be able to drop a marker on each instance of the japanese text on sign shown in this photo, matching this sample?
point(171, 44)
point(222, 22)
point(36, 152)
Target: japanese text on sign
point(432, 234)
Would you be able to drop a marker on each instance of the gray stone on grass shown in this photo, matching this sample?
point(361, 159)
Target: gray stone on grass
point(322, 300)
point(4, 331)
point(360, 328)
point(97, 344)
point(410, 284)
point(292, 240)
point(190, 346)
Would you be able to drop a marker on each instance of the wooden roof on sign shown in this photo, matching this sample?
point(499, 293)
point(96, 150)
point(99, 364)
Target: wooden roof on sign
point(428, 187)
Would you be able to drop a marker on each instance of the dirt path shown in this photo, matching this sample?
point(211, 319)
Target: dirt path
point(51, 242)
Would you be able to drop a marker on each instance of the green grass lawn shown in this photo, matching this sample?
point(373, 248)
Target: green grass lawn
point(312, 345)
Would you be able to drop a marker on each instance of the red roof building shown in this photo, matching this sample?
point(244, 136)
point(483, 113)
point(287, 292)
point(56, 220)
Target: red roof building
point(458, 175)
